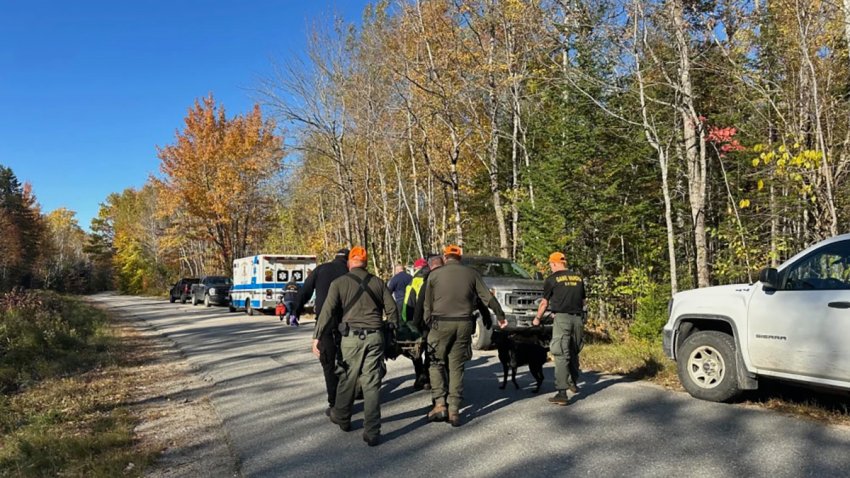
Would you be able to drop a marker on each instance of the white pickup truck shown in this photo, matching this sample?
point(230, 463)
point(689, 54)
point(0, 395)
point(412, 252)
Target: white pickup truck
point(793, 324)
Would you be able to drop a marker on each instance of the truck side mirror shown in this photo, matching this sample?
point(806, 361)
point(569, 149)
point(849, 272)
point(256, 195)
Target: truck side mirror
point(769, 277)
point(538, 275)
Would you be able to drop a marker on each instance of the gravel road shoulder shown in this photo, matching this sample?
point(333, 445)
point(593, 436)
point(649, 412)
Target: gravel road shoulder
point(174, 410)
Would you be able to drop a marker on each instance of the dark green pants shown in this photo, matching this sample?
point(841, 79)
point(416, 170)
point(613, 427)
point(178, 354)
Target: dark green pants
point(567, 337)
point(363, 360)
point(450, 346)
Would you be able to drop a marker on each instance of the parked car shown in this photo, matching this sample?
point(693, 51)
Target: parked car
point(792, 324)
point(212, 290)
point(516, 290)
point(182, 289)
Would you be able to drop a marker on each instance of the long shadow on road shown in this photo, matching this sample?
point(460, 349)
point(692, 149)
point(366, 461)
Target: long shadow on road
point(270, 394)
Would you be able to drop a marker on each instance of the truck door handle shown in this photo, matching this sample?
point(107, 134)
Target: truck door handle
point(839, 305)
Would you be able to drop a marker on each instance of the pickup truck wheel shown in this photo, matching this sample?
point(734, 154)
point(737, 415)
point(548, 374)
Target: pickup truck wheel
point(172, 299)
point(707, 366)
point(231, 308)
point(482, 338)
point(194, 299)
point(182, 299)
point(207, 300)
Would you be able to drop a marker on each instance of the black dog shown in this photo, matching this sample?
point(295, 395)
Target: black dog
point(516, 350)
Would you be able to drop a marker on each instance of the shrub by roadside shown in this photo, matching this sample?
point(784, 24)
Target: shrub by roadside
point(45, 335)
point(66, 382)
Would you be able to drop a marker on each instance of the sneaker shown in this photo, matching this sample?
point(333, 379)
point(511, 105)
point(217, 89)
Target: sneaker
point(374, 441)
point(560, 398)
point(438, 414)
point(454, 419)
point(328, 412)
point(344, 426)
point(574, 388)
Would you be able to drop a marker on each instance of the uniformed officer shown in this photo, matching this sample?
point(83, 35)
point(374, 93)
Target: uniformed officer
point(320, 282)
point(451, 296)
point(564, 295)
point(359, 299)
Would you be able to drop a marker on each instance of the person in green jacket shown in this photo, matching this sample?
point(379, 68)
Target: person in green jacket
point(451, 297)
point(361, 300)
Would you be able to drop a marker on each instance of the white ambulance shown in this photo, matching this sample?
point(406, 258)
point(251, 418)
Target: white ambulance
point(258, 281)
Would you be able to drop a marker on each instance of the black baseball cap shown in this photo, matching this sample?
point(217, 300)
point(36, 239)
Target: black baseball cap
point(342, 253)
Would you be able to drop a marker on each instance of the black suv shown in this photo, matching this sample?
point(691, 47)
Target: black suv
point(212, 290)
point(182, 290)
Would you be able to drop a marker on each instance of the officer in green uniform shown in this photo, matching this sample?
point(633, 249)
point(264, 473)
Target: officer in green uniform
point(451, 296)
point(359, 298)
point(564, 295)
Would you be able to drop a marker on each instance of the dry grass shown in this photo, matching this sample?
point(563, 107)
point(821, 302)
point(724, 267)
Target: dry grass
point(819, 405)
point(633, 358)
point(646, 361)
point(80, 425)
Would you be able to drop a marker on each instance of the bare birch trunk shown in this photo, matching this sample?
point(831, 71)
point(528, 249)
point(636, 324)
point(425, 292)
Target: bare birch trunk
point(514, 186)
point(826, 169)
point(693, 139)
point(651, 134)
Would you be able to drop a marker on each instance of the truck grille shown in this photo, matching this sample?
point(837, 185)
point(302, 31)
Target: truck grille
point(523, 299)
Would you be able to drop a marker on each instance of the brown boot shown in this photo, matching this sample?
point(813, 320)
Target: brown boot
point(438, 414)
point(454, 419)
point(560, 398)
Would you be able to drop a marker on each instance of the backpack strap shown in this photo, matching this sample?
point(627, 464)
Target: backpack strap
point(364, 287)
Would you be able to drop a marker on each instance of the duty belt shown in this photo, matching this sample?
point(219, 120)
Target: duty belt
point(453, 319)
point(362, 333)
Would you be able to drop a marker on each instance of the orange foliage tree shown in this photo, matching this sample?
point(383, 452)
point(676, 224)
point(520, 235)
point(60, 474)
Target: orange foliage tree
point(217, 178)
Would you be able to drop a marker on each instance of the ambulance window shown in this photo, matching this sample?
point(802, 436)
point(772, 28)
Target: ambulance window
point(297, 275)
point(282, 275)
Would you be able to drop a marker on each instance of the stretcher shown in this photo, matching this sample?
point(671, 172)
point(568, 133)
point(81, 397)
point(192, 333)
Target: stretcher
point(409, 341)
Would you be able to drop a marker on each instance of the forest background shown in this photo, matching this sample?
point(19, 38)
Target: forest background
point(662, 145)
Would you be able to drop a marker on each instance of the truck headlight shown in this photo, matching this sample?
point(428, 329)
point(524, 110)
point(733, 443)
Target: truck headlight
point(212, 290)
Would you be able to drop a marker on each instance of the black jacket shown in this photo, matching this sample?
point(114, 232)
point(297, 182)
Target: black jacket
point(320, 282)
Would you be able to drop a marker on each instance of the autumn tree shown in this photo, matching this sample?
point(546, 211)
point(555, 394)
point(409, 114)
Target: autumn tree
point(21, 232)
point(66, 266)
point(215, 172)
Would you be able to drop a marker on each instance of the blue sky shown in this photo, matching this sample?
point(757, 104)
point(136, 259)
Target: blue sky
point(89, 88)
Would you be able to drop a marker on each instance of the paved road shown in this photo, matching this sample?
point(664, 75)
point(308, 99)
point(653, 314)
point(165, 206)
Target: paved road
point(269, 392)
